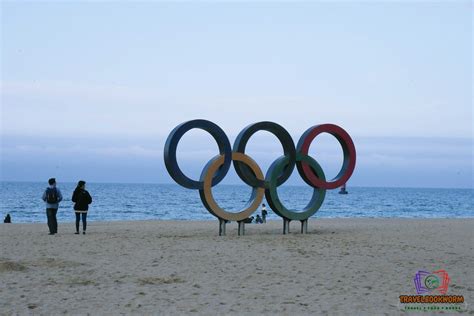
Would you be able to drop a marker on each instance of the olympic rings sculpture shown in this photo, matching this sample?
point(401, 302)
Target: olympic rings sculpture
point(250, 173)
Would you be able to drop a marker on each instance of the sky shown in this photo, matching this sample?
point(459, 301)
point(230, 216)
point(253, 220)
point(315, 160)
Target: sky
point(90, 90)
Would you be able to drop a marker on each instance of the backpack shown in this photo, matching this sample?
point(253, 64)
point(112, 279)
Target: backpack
point(51, 196)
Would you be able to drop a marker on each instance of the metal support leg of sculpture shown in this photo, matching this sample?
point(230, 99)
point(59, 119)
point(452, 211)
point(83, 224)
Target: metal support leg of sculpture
point(286, 226)
point(222, 223)
point(304, 226)
point(241, 228)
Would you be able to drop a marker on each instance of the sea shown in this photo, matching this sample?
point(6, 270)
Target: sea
point(115, 201)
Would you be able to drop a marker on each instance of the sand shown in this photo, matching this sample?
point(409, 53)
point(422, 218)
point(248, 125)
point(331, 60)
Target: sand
point(342, 266)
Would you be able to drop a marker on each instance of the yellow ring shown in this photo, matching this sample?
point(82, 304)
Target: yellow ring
point(206, 192)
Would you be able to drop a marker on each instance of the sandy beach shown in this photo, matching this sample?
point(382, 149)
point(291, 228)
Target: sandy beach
point(342, 266)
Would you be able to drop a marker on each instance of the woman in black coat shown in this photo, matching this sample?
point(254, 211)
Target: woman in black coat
point(82, 199)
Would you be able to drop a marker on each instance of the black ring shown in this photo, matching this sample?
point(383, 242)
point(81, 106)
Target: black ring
point(283, 136)
point(172, 143)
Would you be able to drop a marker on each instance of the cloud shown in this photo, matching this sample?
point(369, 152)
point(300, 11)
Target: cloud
point(380, 162)
point(105, 152)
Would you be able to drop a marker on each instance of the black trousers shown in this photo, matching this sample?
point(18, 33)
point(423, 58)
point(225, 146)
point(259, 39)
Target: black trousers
point(84, 221)
point(52, 221)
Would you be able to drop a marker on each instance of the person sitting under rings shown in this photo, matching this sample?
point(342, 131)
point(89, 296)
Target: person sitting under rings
point(248, 220)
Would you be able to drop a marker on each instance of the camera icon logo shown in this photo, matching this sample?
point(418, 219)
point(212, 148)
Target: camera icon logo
point(430, 282)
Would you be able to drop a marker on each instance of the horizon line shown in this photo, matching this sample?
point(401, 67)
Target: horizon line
point(241, 184)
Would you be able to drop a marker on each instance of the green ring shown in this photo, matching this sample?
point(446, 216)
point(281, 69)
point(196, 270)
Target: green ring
point(271, 193)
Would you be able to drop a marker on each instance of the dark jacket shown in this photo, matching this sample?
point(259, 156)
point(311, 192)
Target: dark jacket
point(82, 199)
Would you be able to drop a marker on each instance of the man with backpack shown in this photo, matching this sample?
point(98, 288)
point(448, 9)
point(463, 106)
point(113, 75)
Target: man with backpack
point(52, 196)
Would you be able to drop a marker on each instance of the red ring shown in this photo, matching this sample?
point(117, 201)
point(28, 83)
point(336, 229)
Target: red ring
point(348, 148)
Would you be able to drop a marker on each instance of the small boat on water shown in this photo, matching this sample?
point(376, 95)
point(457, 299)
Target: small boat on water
point(343, 190)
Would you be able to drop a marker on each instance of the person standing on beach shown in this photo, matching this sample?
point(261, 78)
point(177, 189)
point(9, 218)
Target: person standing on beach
point(52, 196)
point(82, 199)
point(264, 213)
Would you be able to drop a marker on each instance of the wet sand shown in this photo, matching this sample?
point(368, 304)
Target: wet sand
point(342, 266)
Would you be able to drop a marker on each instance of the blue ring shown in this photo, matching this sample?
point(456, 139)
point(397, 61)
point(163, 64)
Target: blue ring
point(172, 143)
